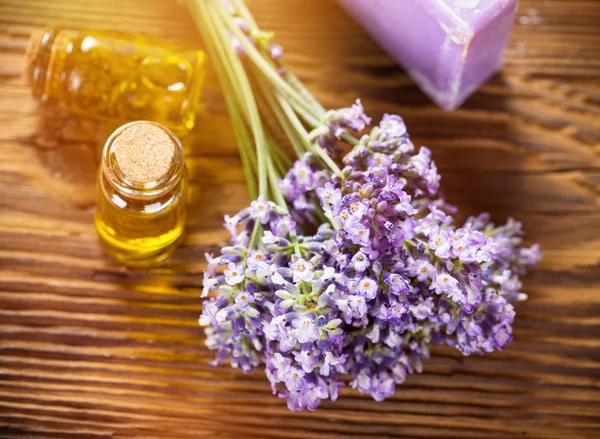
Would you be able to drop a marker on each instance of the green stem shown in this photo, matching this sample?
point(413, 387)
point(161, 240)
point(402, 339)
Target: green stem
point(231, 91)
point(259, 60)
point(307, 116)
point(255, 235)
point(315, 148)
point(246, 94)
point(288, 75)
point(280, 160)
point(277, 195)
point(319, 212)
point(246, 153)
point(295, 139)
point(254, 96)
point(297, 84)
point(350, 139)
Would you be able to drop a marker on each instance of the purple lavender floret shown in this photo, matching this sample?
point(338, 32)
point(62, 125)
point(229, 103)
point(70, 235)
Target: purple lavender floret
point(302, 179)
point(338, 123)
point(359, 298)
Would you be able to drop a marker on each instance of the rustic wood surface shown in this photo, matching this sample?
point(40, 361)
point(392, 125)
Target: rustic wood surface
point(91, 350)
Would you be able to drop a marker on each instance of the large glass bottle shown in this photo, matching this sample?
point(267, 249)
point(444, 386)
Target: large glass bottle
point(117, 76)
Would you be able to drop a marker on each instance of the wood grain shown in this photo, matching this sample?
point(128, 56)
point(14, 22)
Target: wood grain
point(91, 350)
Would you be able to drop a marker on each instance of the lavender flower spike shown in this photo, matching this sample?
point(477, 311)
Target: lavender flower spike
point(385, 277)
point(345, 269)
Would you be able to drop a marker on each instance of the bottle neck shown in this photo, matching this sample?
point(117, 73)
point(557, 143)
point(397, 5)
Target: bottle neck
point(127, 187)
point(45, 57)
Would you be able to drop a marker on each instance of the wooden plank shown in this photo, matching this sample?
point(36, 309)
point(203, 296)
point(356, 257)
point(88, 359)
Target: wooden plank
point(91, 350)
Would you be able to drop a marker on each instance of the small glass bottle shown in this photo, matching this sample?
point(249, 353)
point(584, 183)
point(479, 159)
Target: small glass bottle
point(141, 200)
point(117, 76)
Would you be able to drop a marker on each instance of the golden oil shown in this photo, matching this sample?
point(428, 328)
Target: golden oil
point(116, 76)
point(141, 199)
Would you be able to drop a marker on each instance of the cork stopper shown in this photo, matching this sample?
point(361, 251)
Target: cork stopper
point(144, 152)
point(32, 54)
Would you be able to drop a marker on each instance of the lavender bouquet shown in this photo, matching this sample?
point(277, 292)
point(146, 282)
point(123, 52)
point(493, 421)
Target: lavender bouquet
point(346, 268)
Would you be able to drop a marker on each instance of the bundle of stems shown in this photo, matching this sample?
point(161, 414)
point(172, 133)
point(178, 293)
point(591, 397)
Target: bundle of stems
point(259, 90)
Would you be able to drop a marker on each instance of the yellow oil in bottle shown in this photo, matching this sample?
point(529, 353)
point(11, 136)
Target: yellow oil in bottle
point(117, 76)
point(140, 214)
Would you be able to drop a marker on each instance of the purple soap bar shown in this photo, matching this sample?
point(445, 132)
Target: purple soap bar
point(449, 47)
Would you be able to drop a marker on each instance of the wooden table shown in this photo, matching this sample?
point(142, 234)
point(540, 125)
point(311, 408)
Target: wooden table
point(91, 350)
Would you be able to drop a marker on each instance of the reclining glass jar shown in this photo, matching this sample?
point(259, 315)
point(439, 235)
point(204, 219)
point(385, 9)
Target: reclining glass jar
point(116, 76)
